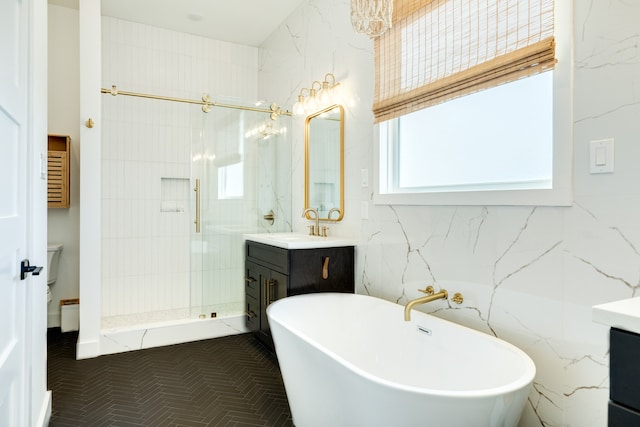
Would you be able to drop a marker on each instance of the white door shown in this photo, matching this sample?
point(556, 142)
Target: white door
point(14, 211)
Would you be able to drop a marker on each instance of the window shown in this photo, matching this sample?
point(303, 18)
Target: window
point(482, 141)
point(228, 137)
point(231, 181)
point(460, 126)
point(230, 164)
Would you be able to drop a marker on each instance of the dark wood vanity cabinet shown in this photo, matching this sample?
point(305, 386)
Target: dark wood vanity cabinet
point(624, 373)
point(263, 286)
point(272, 273)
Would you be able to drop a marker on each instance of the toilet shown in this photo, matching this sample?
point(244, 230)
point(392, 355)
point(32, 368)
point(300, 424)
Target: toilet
point(53, 258)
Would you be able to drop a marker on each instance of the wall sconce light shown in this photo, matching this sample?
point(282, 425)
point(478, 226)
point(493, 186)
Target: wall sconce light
point(318, 96)
point(298, 107)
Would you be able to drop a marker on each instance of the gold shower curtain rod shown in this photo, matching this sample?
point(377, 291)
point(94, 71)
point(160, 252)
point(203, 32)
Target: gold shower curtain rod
point(206, 102)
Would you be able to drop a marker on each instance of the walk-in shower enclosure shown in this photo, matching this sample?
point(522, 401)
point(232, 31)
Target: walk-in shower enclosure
point(158, 265)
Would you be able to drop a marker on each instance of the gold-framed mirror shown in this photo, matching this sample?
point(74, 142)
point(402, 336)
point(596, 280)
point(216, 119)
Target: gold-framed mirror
point(324, 163)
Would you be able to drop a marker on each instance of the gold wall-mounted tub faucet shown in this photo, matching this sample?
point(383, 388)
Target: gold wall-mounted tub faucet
point(431, 296)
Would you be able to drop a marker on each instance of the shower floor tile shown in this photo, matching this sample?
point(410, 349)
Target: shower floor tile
point(230, 381)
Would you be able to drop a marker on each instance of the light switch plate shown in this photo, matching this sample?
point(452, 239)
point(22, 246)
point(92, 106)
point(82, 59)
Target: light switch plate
point(601, 156)
point(364, 178)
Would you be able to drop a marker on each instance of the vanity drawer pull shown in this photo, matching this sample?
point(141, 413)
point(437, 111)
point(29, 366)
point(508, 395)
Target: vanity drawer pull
point(325, 268)
point(268, 289)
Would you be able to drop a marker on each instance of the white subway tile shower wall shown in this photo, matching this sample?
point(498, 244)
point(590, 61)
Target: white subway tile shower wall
point(146, 262)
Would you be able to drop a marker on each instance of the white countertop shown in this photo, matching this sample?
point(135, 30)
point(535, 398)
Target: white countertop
point(624, 314)
point(299, 240)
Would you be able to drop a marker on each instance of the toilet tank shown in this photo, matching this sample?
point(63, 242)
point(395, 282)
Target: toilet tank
point(53, 258)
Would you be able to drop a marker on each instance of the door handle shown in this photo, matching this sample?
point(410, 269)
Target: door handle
point(25, 269)
point(197, 190)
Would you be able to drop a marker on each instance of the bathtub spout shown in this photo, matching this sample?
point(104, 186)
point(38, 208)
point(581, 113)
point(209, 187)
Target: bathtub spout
point(423, 300)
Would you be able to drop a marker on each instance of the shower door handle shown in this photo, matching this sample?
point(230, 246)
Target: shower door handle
point(197, 190)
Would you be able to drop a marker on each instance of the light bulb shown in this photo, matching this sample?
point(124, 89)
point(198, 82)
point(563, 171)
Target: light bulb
point(311, 104)
point(298, 107)
point(324, 96)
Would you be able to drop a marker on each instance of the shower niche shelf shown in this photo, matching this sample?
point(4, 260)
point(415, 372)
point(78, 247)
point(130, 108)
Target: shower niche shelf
point(58, 175)
point(174, 194)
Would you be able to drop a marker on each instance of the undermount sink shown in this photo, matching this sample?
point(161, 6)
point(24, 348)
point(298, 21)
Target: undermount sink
point(299, 240)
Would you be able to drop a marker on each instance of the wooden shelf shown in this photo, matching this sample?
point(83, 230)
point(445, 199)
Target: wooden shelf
point(58, 176)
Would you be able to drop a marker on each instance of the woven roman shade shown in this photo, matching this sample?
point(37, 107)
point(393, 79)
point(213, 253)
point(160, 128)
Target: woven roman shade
point(438, 50)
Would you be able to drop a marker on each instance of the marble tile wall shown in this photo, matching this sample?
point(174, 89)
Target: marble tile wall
point(529, 274)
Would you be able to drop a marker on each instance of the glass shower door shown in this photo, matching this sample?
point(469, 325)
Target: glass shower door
point(228, 162)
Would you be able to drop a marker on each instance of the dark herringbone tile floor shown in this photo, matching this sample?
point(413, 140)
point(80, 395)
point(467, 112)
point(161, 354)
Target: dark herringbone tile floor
point(230, 381)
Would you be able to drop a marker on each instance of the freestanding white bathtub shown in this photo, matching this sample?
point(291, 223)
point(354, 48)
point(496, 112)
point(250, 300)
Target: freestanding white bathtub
point(352, 360)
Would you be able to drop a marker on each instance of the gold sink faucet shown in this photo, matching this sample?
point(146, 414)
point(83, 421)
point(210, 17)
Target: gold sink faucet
point(431, 296)
point(314, 231)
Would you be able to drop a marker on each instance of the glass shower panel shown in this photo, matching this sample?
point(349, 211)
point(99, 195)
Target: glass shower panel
point(273, 175)
point(229, 160)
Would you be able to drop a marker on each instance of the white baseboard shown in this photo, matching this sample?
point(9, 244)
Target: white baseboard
point(53, 320)
point(120, 340)
point(87, 349)
point(45, 411)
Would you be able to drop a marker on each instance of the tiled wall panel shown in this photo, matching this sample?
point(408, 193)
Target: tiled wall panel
point(146, 252)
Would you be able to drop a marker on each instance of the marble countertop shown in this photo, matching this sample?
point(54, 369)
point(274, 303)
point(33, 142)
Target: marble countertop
point(623, 314)
point(299, 240)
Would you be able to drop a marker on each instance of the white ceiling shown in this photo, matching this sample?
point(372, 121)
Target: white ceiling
point(247, 22)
